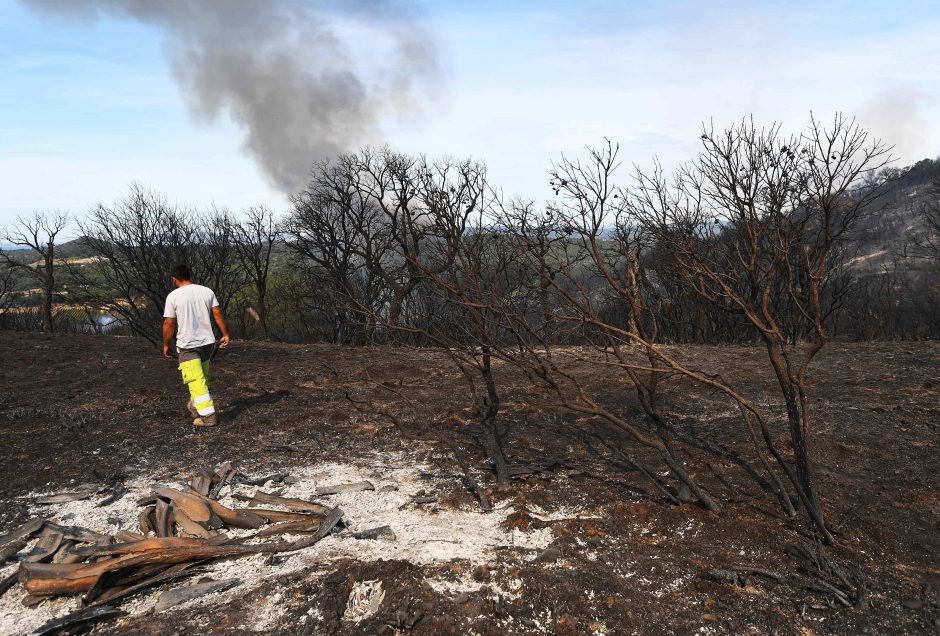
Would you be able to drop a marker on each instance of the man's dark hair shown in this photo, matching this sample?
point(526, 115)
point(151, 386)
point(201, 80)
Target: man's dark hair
point(181, 272)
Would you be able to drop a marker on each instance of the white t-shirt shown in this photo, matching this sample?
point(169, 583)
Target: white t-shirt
point(192, 305)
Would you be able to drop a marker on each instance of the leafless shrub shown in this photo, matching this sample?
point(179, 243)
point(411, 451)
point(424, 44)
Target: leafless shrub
point(254, 240)
point(755, 226)
point(334, 231)
point(38, 233)
point(468, 263)
point(419, 231)
point(587, 252)
point(136, 242)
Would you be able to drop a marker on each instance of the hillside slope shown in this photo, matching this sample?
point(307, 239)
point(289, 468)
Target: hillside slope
point(895, 223)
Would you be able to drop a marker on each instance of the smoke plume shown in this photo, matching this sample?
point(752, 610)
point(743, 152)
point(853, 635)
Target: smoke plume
point(282, 69)
point(894, 114)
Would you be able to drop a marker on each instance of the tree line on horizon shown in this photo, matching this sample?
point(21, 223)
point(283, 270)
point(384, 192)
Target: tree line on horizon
point(337, 267)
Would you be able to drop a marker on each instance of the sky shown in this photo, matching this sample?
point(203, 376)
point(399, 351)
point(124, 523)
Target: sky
point(88, 107)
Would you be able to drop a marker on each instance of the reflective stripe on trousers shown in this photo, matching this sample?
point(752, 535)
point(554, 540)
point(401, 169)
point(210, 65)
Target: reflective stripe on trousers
point(196, 377)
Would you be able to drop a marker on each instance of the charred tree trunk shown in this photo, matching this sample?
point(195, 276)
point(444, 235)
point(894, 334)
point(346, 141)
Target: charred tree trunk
point(685, 479)
point(394, 313)
point(261, 290)
point(780, 490)
point(698, 332)
point(799, 438)
point(490, 410)
point(548, 315)
point(48, 289)
point(669, 453)
point(797, 421)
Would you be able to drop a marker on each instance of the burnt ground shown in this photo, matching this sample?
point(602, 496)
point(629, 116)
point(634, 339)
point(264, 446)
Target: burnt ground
point(76, 409)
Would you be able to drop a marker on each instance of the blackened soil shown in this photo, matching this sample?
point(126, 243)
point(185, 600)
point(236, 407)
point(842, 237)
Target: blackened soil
point(77, 409)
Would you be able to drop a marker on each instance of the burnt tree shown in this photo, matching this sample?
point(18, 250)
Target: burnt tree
point(754, 226)
point(589, 253)
point(38, 233)
point(136, 242)
point(254, 240)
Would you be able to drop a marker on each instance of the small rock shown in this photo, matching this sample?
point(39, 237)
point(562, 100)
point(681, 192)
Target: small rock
point(548, 555)
point(382, 532)
point(481, 573)
point(722, 576)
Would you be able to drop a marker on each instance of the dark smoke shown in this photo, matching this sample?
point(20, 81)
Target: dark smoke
point(281, 69)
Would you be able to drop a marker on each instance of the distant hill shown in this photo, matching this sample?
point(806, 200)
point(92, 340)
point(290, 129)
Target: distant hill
point(70, 249)
point(885, 234)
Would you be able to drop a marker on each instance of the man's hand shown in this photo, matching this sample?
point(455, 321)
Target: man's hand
point(220, 321)
point(166, 352)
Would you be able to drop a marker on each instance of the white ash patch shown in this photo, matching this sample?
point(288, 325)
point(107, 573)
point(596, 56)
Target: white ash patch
point(465, 584)
point(7, 570)
point(365, 599)
point(15, 618)
point(534, 540)
point(674, 585)
point(563, 513)
point(506, 589)
point(426, 534)
point(545, 621)
point(626, 570)
point(313, 615)
point(689, 529)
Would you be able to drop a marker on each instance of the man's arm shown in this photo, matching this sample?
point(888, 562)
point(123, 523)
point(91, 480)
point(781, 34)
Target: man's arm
point(169, 326)
point(220, 321)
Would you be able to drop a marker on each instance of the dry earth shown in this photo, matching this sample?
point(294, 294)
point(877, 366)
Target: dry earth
point(579, 544)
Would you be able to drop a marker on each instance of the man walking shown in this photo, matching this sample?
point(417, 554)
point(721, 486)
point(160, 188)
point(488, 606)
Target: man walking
point(188, 308)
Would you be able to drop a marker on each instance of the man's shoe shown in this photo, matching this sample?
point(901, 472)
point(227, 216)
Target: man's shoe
point(192, 411)
point(205, 421)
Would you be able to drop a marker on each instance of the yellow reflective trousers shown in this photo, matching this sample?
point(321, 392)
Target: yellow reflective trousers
point(196, 377)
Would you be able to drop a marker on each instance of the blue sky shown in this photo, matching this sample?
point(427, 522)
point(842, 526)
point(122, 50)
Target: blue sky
point(86, 108)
